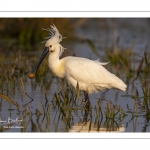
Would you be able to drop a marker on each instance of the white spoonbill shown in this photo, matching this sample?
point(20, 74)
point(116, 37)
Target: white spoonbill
point(90, 75)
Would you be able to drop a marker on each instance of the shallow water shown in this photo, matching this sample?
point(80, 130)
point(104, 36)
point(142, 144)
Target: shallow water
point(128, 31)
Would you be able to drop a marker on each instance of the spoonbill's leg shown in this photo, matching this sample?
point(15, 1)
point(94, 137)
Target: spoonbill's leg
point(87, 106)
point(87, 101)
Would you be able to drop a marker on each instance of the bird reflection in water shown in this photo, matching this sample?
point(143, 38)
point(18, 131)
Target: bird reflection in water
point(91, 127)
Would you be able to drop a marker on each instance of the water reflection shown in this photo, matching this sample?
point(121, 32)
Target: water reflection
point(91, 127)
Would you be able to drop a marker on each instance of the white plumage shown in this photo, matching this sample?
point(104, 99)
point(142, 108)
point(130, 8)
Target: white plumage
point(90, 75)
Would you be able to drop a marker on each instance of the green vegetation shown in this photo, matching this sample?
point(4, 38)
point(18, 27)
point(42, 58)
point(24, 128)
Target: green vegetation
point(27, 33)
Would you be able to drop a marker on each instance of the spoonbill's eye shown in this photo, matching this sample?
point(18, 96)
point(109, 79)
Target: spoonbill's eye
point(50, 46)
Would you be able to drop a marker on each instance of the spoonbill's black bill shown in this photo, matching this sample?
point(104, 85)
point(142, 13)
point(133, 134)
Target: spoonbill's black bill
point(34, 71)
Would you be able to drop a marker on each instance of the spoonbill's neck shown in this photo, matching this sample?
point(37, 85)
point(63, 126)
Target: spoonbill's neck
point(53, 58)
point(56, 65)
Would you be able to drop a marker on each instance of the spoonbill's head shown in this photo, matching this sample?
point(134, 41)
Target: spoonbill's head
point(51, 45)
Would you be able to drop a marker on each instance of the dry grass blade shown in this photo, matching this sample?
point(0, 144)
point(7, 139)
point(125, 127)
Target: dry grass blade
point(145, 56)
point(23, 90)
point(146, 61)
point(138, 71)
point(11, 101)
point(93, 48)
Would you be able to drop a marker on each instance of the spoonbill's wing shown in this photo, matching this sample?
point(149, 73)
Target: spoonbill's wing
point(87, 71)
point(91, 72)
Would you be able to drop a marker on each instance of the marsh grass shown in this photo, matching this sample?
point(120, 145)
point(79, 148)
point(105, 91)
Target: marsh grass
point(122, 60)
point(11, 101)
point(143, 73)
point(68, 105)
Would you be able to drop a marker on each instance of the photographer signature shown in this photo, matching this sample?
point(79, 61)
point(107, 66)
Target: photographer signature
point(10, 120)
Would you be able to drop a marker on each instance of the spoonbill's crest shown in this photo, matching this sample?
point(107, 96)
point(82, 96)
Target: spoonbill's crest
point(54, 36)
point(90, 75)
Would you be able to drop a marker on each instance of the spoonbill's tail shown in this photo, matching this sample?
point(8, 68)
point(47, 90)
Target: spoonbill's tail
point(118, 83)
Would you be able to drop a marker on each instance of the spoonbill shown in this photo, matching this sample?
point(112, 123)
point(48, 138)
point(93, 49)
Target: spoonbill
point(90, 75)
